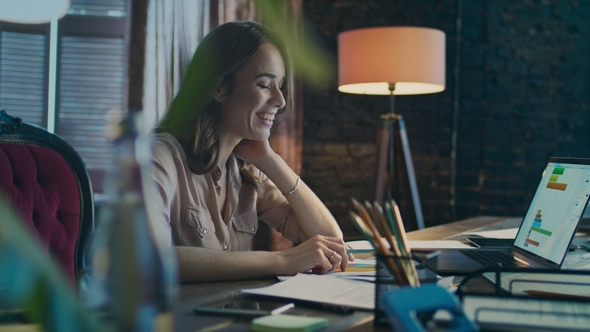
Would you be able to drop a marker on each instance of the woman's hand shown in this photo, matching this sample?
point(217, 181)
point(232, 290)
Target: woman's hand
point(253, 152)
point(320, 254)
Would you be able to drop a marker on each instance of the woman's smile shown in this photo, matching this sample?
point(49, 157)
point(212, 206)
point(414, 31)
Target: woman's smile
point(267, 118)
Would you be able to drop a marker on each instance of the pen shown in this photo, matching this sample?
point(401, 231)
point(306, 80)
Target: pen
point(282, 309)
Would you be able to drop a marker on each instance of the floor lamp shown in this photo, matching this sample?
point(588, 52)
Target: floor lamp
point(392, 61)
point(33, 11)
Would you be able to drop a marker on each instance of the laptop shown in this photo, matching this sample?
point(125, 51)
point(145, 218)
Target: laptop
point(546, 231)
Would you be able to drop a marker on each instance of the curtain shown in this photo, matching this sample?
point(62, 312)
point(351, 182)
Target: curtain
point(173, 31)
point(223, 11)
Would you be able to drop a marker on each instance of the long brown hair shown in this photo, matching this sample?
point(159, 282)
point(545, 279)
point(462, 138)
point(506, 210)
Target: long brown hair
point(194, 116)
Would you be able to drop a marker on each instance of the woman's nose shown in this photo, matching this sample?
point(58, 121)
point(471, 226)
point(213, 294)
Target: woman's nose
point(277, 99)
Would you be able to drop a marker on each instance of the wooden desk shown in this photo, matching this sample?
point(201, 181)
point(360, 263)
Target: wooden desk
point(191, 295)
point(451, 230)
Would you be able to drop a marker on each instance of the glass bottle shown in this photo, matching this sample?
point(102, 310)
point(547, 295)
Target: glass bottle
point(133, 273)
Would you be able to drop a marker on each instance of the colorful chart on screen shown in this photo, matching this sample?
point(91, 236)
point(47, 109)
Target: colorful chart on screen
point(555, 210)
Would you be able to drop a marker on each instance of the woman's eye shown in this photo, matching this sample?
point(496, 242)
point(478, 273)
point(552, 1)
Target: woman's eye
point(264, 86)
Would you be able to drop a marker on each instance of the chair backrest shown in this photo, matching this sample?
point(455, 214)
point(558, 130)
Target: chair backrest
point(44, 180)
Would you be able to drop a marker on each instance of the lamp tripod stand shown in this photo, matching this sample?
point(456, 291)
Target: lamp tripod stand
point(393, 152)
point(380, 61)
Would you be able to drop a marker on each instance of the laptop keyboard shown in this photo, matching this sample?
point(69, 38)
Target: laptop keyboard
point(491, 258)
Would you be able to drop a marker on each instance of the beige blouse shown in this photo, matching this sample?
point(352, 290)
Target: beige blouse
point(188, 207)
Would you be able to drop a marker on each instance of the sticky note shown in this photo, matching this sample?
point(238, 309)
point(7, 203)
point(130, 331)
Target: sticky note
point(288, 323)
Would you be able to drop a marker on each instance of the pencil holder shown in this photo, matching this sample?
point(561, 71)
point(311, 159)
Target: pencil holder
point(385, 281)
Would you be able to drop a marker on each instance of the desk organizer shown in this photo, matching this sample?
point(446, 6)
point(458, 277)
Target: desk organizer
point(527, 300)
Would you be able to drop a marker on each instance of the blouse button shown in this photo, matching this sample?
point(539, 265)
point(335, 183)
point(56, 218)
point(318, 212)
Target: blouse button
point(224, 247)
point(204, 231)
point(253, 229)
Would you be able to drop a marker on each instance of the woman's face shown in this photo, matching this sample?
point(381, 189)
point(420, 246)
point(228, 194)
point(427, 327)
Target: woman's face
point(249, 110)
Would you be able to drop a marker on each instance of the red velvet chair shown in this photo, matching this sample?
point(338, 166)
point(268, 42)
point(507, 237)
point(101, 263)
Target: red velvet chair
point(44, 180)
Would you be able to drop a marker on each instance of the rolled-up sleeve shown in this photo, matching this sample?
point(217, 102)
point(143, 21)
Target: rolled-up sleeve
point(163, 173)
point(274, 209)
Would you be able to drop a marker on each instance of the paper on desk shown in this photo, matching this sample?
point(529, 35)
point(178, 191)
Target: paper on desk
point(507, 233)
point(361, 245)
point(315, 288)
point(359, 269)
point(438, 244)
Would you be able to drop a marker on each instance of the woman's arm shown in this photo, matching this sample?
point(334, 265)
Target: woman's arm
point(319, 254)
point(312, 215)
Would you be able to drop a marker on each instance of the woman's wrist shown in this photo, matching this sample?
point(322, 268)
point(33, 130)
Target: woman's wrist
point(292, 191)
point(267, 162)
point(278, 263)
point(276, 169)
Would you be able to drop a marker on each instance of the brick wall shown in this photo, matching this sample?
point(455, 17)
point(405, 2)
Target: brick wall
point(523, 95)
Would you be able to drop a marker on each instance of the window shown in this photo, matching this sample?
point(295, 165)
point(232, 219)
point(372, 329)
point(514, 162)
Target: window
point(23, 81)
point(66, 75)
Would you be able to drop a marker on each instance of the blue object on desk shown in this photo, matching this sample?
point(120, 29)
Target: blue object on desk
point(404, 306)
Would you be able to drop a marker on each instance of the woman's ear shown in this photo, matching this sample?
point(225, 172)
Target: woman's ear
point(219, 93)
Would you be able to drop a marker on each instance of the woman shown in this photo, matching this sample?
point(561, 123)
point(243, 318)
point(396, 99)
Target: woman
point(217, 174)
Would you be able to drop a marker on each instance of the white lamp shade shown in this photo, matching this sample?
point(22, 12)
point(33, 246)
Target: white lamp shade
point(32, 11)
point(412, 59)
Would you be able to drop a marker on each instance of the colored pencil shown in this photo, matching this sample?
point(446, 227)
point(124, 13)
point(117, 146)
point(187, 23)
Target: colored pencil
point(385, 235)
point(368, 232)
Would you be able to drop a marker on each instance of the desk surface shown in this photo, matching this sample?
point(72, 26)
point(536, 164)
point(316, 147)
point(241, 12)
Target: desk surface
point(191, 295)
point(451, 230)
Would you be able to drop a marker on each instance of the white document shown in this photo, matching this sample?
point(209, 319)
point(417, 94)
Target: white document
point(359, 269)
point(315, 288)
point(361, 245)
point(438, 244)
point(507, 233)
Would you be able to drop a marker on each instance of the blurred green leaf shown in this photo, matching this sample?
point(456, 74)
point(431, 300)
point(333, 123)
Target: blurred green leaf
point(311, 62)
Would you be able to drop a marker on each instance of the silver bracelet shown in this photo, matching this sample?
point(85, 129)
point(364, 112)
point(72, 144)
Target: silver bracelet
point(294, 188)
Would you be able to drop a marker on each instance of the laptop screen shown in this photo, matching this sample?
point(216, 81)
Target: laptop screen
point(556, 209)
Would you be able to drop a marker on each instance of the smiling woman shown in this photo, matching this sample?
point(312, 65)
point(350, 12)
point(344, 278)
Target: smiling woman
point(217, 174)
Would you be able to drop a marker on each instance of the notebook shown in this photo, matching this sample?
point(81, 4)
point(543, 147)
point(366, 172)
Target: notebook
point(545, 232)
